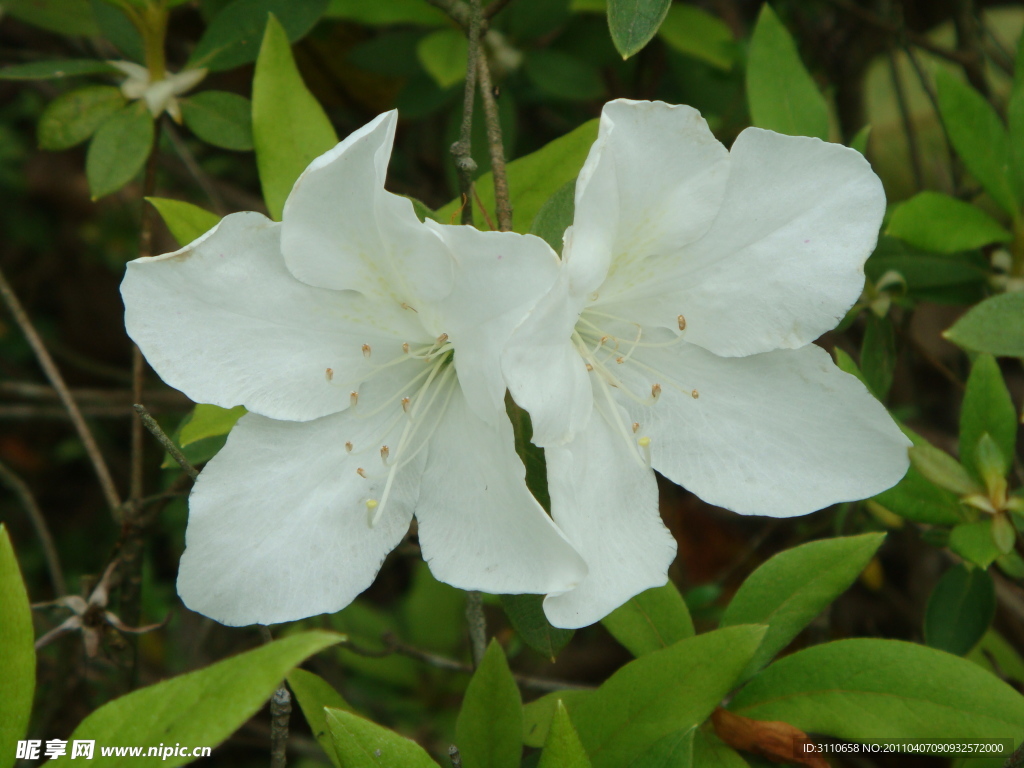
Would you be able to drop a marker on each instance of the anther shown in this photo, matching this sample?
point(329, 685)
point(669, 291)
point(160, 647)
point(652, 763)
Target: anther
point(348, 446)
point(361, 472)
point(329, 373)
point(371, 504)
point(405, 404)
point(695, 394)
point(636, 426)
point(406, 306)
point(366, 350)
point(442, 339)
point(590, 367)
point(619, 360)
point(656, 391)
point(384, 451)
point(405, 347)
point(682, 322)
point(603, 340)
point(353, 398)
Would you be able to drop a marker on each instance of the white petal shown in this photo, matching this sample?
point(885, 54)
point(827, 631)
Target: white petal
point(652, 183)
point(783, 261)
point(278, 524)
point(781, 433)
point(226, 323)
point(186, 80)
point(606, 502)
point(545, 373)
point(479, 527)
point(499, 276)
point(342, 230)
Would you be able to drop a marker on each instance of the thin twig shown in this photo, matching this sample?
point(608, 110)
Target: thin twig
point(477, 625)
point(30, 390)
point(462, 149)
point(454, 756)
point(24, 494)
point(280, 713)
point(150, 423)
point(50, 369)
point(968, 43)
point(502, 204)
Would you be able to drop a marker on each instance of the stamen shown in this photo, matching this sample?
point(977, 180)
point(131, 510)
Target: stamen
point(590, 367)
point(366, 350)
point(620, 360)
point(405, 347)
point(371, 518)
point(656, 391)
point(695, 394)
point(361, 472)
point(384, 451)
point(682, 322)
point(353, 399)
point(348, 446)
point(405, 404)
point(636, 426)
point(442, 339)
point(406, 306)
point(329, 373)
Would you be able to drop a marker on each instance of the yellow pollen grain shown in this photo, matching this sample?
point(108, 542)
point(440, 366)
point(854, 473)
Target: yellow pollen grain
point(644, 442)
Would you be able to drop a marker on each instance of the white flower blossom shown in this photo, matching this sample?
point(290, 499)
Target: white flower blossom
point(679, 337)
point(365, 345)
point(159, 94)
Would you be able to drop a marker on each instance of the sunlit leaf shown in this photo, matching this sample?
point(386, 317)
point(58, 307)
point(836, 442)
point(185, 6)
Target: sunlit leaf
point(185, 221)
point(563, 748)
point(987, 407)
point(362, 744)
point(313, 694)
point(220, 118)
point(443, 55)
point(995, 326)
point(937, 222)
point(489, 731)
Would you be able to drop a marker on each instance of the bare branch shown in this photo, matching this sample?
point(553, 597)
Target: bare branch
point(150, 423)
point(24, 494)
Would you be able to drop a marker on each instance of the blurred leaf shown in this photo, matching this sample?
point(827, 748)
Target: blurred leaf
point(289, 126)
point(65, 17)
point(55, 70)
point(796, 585)
point(536, 177)
point(555, 216)
point(119, 149)
point(362, 744)
point(940, 223)
point(782, 95)
point(433, 613)
point(995, 326)
point(1015, 124)
point(313, 694)
point(987, 407)
point(563, 75)
point(379, 14)
point(878, 355)
point(652, 620)
point(390, 53)
point(563, 748)
point(186, 223)
point(443, 54)
point(526, 614)
point(634, 22)
point(914, 498)
point(711, 752)
point(366, 625)
point(674, 750)
point(526, 21)
point(943, 470)
point(118, 29)
point(209, 421)
point(74, 116)
point(978, 136)
point(846, 364)
point(220, 118)
point(695, 32)
point(974, 543)
point(858, 689)
point(995, 654)
point(959, 278)
point(860, 140)
point(17, 654)
point(202, 707)
point(233, 37)
point(960, 609)
point(489, 731)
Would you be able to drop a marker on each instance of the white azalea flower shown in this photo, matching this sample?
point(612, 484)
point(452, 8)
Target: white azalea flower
point(678, 337)
point(158, 94)
point(366, 347)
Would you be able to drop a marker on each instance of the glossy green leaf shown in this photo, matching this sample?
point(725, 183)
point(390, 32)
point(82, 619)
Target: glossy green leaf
point(289, 127)
point(526, 614)
point(878, 355)
point(794, 586)
point(781, 94)
point(209, 421)
point(937, 222)
point(660, 693)
point(220, 118)
point(938, 467)
point(974, 542)
point(563, 748)
point(119, 149)
point(868, 688)
point(65, 17)
point(978, 136)
point(74, 116)
point(489, 730)
point(960, 610)
point(555, 216)
point(634, 22)
point(202, 707)
point(55, 70)
point(233, 37)
point(710, 752)
point(995, 326)
point(17, 654)
point(313, 694)
point(443, 54)
point(362, 744)
point(695, 32)
point(652, 620)
point(379, 14)
point(563, 75)
point(672, 751)
point(987, 407)
point(185, 221)
point(536, 177)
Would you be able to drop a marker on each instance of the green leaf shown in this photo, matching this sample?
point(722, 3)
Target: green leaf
point(974, 542)
point(536, 177)
point(433, 614)
point(203, 707)
point(960, 610)
point(115, 25)
point(55, 70)
point(540, 713)
point(957, 278)
point(489, 730)
point(937, 222)
point(209, 421)
point(65, 17)
point(943, 470)
point(660, 693)
point(186, 222)
point(380, 14)
point(443, 54)
point(119, 149)
point(220, 118)
point(313, 694)
point(978, 136)
point(634, 22)
point(994, 326)
point(915, 498)
point(695, 32)
point(846, 364)
point(74, 116)
point(782, 95)
point(233, 37)
point(526, 613)
point(878, 355)
point(650, 621)
point(563, 748)
point(362, 744)
point(995, 654)
point(860, 140)
point(555, 216)
point(289, 127)
point(672, 751)
point(987, 407)
point(710, 752)
point(866, 688)
point(561, 74)
point(794, 586)
point(17, 654)
point(1015, 124)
